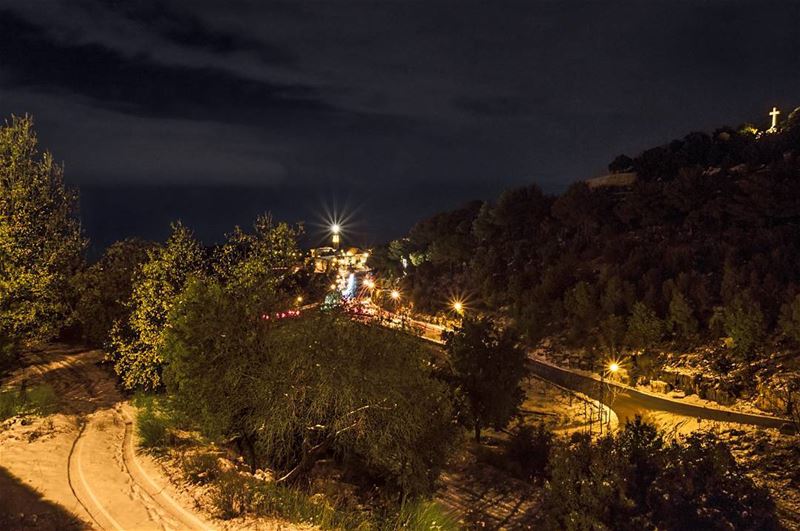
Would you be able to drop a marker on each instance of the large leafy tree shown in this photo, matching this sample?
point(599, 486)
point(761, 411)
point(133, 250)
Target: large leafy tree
point(103, 289)
point(256, 264)
point(292, 391)
point(136, 342)
point(41, 245)
point(488, 366)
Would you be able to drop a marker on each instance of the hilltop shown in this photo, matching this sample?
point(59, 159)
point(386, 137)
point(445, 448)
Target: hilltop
point(688, 247)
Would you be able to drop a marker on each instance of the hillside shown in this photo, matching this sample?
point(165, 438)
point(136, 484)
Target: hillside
point(698, 253)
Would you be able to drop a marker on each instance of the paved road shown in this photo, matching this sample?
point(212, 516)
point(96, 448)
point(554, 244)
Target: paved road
point(627, 402)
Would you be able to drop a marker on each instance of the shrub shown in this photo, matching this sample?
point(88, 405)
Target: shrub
point(154, 423)
point(529, 448)
point(200, 468)
point(634, 480)
point(232, 495)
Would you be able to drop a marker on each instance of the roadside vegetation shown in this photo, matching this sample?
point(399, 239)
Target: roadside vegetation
point(38, 400)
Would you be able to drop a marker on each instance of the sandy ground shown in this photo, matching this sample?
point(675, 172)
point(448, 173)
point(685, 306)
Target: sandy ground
point(82, 460)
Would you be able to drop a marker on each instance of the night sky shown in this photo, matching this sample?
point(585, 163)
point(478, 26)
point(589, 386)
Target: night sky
point(212, 112)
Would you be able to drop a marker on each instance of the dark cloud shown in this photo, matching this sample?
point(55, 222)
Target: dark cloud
point(141, 86)
point(379, 100)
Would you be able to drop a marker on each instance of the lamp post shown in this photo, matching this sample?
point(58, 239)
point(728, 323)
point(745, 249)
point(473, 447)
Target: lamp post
point(612, 369)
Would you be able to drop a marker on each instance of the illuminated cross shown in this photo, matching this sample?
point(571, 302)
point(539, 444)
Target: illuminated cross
point(774, 113)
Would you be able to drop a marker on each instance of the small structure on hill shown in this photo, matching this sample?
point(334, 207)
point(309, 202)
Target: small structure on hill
point(612, 180)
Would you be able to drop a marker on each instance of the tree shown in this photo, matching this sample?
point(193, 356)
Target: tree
point(743, 322)
point(41, 245)
point(681, 318)
point(580, 303)
point(251, 263)
point(621, 163)
point(529, 447)
point(136, 342)
point(789, 321)
point(488, 367)
point(292, 391)
point(644, 327)
point(103, 289)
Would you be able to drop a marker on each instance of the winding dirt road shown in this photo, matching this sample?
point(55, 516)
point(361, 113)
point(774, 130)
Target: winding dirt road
point(83, 457)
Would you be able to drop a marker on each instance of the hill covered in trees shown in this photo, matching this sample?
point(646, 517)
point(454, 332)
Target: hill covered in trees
point(703, 244)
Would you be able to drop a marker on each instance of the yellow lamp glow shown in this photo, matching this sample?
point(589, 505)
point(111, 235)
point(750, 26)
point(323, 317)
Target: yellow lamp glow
point(395, 294)
point(613, 367)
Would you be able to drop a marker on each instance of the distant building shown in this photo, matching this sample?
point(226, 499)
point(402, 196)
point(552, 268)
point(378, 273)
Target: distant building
point(328, 259)
point(613, 180)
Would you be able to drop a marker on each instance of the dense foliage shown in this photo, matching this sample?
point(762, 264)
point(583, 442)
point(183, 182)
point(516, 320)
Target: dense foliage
point(292, 391)
point(41, 245)
point(702, 244)
point(253, 265)
point(487, 369)
point(103, 289)
point(135, 345)
point(637, 480)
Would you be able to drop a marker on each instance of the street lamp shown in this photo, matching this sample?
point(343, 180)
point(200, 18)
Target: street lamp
point(458, 306)
point(612, 368)
point(395, 294)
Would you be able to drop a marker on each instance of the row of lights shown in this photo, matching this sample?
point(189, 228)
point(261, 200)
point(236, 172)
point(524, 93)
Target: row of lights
point(280, 315)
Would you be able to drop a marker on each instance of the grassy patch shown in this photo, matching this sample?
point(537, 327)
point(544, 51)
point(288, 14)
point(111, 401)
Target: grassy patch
point(425, 514)
point(234, 494)
point(38, 400)
point(155, 424)
point(200, 468)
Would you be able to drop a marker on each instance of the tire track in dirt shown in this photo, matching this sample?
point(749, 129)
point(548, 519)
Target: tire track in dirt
point(108, 483)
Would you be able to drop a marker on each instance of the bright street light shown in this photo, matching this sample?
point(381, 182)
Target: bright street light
point(335, 228)
point(299, 299)
point(613, 367)
point(395, 294)
point(458, 306)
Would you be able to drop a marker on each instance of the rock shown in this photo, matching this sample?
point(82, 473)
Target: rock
point(660, 386)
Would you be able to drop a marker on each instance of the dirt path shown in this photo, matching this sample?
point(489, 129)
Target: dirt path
point(82, 458)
